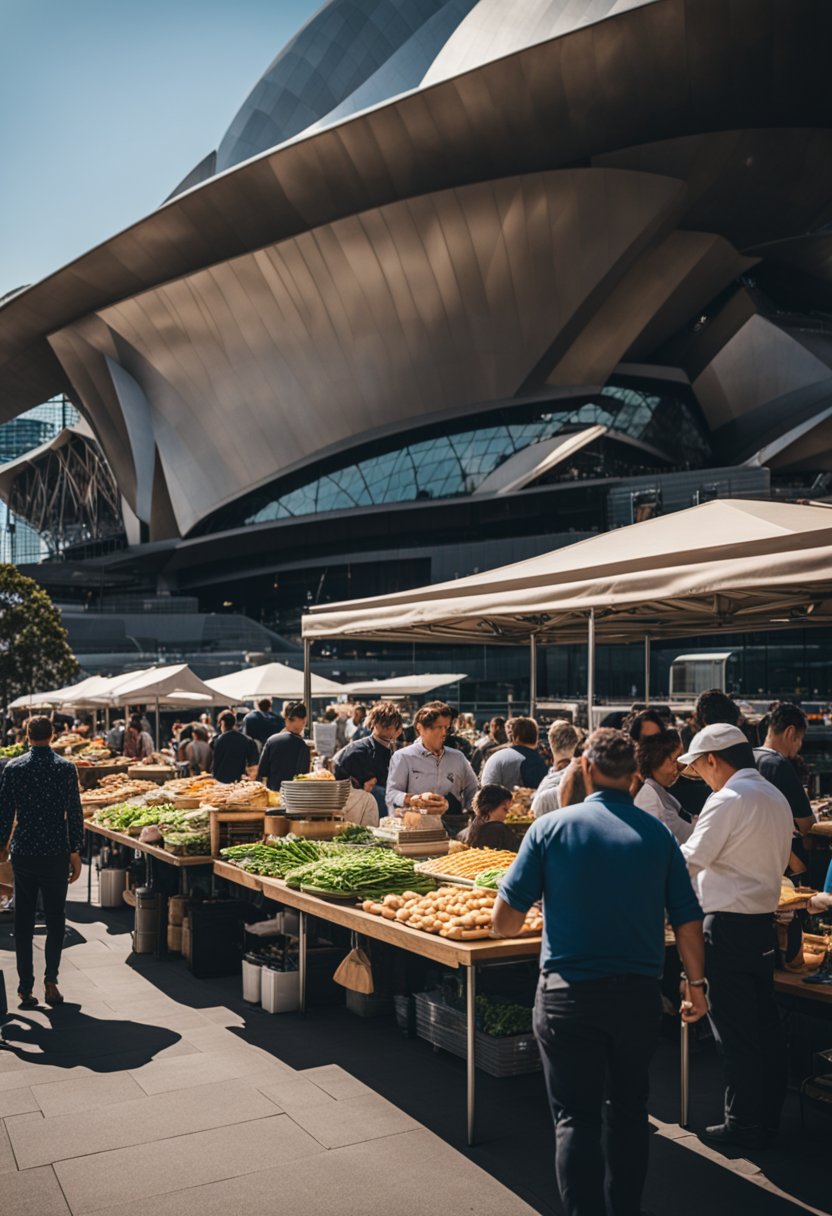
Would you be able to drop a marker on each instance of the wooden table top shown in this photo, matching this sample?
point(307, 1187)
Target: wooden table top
point(428, 945)
point(132, 842)
point(792, 983)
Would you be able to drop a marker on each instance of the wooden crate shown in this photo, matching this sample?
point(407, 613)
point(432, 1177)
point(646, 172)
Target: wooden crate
point(235, 827)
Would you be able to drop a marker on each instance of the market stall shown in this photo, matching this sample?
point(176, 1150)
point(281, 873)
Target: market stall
point(275, 680)
point(728, 564)
point(470, 955)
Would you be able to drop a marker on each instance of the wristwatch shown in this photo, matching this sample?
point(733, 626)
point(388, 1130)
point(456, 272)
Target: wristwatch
point(703, 983)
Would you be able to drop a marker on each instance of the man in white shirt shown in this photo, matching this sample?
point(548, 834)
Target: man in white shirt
point(563, 739)
point(736, 856)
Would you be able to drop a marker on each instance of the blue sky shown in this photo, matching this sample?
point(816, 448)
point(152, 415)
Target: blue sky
point(106, 104)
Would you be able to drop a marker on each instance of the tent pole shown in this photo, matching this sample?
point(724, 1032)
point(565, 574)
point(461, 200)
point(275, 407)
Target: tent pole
point(307, 685)
point(590, 667)
point(647, 669)
point(532, 675)
point(157, 724)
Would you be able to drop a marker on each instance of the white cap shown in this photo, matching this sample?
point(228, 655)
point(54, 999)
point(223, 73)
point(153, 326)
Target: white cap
point(715, 738)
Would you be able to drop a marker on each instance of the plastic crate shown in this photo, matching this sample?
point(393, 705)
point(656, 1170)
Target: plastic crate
point(443, 1026)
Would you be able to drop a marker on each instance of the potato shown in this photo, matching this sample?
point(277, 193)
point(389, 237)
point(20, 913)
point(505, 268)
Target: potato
point(393, 901)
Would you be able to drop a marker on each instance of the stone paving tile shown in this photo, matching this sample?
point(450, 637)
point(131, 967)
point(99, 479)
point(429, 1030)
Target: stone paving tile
point(7, 1158)
point(162, 1076)
point(293, 1092)
point(416, 1174)
point(26, 1074)
point(132, 1175)
point(33, 1193)
point(353, 1120)
point(336, 1081)
point(136, 1122)
point(84, 1094)
point(17, 1102)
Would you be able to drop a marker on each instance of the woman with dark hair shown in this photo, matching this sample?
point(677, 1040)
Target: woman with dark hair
point(138, 744)
point(658, 769)
point(489, 829)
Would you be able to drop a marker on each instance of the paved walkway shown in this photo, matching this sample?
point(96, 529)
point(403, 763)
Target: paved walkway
point(150, 1084)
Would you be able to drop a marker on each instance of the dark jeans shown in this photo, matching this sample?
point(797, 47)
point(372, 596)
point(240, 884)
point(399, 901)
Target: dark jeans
point(596, 1039)
point(50, 876)
point(739, 963)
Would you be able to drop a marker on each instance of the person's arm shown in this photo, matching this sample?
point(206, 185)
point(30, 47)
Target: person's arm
point(685, 915)
point(470, 785)
point(6, 813)
point(304, 760)
point(264, 766)
point(74, 826)
point(567, 794)
point(691, 946)
point(397, 777)
point(521, 887)
point(709, 837)
point(789, 784)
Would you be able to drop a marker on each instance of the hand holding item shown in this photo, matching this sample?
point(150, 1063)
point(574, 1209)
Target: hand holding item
point(368, 785)
point(74, 867)
point(819, 903)
point(429, 804)
point(694, 1002)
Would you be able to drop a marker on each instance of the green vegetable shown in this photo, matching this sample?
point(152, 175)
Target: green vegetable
point(14, 749)
point(365, 873)
point(126, 815)
point(355, 834)
point(502, 1018)
point(490, 879)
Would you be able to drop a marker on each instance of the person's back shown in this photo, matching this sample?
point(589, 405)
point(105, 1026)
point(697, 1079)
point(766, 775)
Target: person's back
point(200, 755)
point(610, 851)
point(233, 753)
point(606, 873)
point(286, 754)
point(490, 836)
point(39, 795)
point(261, 723)
point(519, 762)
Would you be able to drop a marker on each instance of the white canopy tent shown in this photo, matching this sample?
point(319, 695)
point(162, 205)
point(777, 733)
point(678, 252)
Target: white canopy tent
point(402, 686)
point(172, 687)
point(272, 680)
point(729, 564)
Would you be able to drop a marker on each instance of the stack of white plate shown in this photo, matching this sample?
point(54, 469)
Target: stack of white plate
point(313, 798)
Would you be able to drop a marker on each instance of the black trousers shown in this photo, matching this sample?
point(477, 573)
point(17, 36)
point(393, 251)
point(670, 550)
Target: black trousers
point(596, 1039)
point(739, 963)
point(50, 876)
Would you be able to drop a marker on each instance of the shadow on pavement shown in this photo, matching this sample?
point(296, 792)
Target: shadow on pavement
point(74, 1038)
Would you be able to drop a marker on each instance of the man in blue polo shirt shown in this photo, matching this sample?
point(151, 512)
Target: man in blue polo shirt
point(607, 872)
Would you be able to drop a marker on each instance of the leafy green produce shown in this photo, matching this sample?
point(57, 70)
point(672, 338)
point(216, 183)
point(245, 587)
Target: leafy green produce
point(188, 844)
point(490, 879)
point(365, 873)
point(355, 834)
point(126, 815)
point(502, 1018)
point(13, 750)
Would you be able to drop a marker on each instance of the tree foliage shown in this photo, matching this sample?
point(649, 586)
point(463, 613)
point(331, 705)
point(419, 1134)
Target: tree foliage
point(34, 648)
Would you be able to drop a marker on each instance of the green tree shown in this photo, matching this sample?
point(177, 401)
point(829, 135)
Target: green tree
point(34, 647)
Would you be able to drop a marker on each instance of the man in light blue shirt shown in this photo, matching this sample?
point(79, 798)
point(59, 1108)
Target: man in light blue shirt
point(607, 872)
point(427, 776)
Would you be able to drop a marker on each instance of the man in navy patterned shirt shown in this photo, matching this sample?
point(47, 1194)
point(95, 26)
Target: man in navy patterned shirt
point(40, 791)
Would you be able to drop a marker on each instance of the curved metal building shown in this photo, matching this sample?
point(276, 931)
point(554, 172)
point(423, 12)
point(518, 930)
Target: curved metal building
point(468, 270)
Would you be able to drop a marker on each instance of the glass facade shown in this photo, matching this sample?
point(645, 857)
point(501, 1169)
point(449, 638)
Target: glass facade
point(19, 543)
point(456, 461)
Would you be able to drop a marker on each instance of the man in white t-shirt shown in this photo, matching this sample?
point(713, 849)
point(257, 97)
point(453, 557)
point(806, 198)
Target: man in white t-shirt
point(736, 856)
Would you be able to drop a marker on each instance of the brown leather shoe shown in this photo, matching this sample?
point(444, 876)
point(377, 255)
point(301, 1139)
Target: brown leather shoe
point(53, 996)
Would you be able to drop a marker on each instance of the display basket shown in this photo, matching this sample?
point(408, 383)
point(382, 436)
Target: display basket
point(235, 827)
point(443, 1026)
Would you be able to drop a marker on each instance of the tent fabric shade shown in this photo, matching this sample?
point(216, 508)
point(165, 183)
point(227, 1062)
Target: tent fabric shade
point(402, 686)
point(728, 564)
point(168, 685)
point(271, 680)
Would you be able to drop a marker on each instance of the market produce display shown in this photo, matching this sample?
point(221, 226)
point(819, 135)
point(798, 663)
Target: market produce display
point(276, 859)
point(183, 833)
point(187, 844)
point(354, 833)
point(131, 817)
point(117, 788)
point(13, 750)
point(491, 878)
point(363, 873)
point(452, 912)
point(520, 810)
point(467, 864)
point(239, 795)
point(502, 1018)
